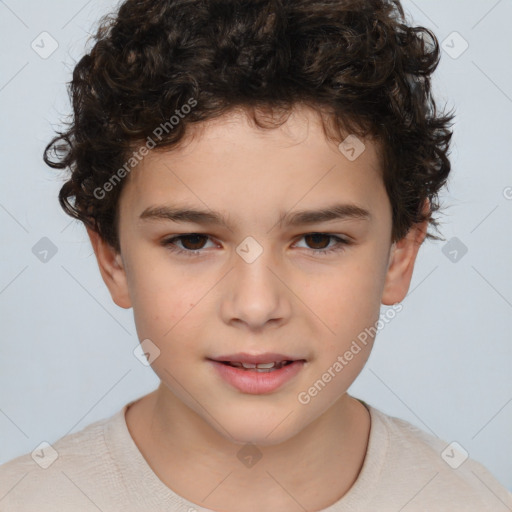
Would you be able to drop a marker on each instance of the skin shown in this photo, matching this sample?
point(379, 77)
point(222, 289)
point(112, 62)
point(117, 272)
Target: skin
point(289, 300)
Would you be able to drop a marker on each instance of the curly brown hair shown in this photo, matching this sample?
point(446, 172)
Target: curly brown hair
point(358, 63)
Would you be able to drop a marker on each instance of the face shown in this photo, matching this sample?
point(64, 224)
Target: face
point(257, 275)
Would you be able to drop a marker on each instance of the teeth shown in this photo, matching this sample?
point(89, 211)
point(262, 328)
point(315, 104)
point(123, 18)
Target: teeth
point(260, 367)
point(266, 365)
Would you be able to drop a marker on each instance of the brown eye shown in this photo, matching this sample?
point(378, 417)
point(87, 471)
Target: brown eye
point(318, 240)
point(191, 244)
point(319, 244)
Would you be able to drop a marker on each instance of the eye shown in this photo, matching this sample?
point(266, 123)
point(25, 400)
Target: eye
point(319, 239)
point(193, 243)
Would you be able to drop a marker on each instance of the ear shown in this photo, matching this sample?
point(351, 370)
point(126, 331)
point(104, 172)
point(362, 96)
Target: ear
point(401, 263)
point(111, 268)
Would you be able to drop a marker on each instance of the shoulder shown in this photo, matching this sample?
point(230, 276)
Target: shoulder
point(57, 473)
point(433, 473)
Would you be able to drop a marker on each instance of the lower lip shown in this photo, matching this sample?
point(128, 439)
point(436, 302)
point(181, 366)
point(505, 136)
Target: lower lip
point(256, 383)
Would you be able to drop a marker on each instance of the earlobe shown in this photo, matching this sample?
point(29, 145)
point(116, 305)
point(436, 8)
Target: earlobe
point(112, 269)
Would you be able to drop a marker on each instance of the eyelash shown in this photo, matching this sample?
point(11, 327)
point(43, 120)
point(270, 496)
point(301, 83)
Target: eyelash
point(169, 244)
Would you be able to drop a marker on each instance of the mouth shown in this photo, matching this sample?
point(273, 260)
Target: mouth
point(260, 367)
point(257, 374)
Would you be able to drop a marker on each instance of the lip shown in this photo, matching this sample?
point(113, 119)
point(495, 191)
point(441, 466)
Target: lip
point(267, 357)
point(254, 382)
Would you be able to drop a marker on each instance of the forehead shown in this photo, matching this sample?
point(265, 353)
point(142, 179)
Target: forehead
point(229, 164)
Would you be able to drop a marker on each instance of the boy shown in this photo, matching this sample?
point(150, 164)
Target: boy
point(214, 146)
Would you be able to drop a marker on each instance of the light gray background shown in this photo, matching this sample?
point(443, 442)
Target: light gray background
point(444, 363)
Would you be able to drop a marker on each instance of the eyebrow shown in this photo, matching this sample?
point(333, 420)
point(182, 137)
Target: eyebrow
point(337, 211)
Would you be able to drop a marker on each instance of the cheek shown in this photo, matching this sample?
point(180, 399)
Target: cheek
point(163, 293)
point(169, 302)
point(346, 299)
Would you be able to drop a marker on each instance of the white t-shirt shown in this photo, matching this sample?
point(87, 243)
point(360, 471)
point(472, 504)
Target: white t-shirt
point(100, 468)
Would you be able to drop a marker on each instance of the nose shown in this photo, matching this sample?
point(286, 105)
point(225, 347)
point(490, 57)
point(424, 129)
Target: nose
point(254, 293)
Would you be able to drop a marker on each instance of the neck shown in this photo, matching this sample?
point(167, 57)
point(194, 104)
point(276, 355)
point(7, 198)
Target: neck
point(313, 469)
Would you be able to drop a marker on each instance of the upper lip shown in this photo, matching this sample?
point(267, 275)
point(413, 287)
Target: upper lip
point(267, 357)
